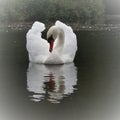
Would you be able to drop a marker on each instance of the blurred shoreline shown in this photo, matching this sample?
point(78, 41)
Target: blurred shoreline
point(25, 26)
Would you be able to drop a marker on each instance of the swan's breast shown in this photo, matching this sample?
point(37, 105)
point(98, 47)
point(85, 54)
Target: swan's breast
point(54, 59)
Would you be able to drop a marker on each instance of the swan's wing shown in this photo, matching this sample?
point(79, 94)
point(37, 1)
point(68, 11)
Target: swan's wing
point(37, 47)
point(70, 46)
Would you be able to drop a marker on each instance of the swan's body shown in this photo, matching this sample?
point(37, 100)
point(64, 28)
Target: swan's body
point(64, 49)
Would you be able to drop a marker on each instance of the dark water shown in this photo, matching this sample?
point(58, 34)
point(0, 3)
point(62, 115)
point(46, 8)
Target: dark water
point(88, 89)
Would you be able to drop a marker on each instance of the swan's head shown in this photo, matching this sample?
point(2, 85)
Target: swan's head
point(51, 36)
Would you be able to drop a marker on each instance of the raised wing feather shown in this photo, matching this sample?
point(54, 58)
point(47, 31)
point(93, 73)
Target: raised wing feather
point(70, 45)
point(36, 45)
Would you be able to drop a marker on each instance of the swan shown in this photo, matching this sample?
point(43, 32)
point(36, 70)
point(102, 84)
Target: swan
point(59, 48)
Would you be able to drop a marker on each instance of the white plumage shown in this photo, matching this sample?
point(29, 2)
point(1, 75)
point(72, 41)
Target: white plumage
point(38, 48)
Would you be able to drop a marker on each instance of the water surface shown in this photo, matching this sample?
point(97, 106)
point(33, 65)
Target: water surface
point(87, 89)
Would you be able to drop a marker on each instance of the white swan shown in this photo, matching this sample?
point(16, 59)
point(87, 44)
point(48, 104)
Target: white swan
point(60, 46)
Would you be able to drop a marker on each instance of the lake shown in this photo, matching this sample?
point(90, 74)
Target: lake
point(88, 89)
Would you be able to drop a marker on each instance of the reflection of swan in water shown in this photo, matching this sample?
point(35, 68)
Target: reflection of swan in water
point(51, 82)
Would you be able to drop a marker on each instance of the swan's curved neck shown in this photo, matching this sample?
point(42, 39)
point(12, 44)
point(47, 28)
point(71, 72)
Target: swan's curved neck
point(60, 41)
